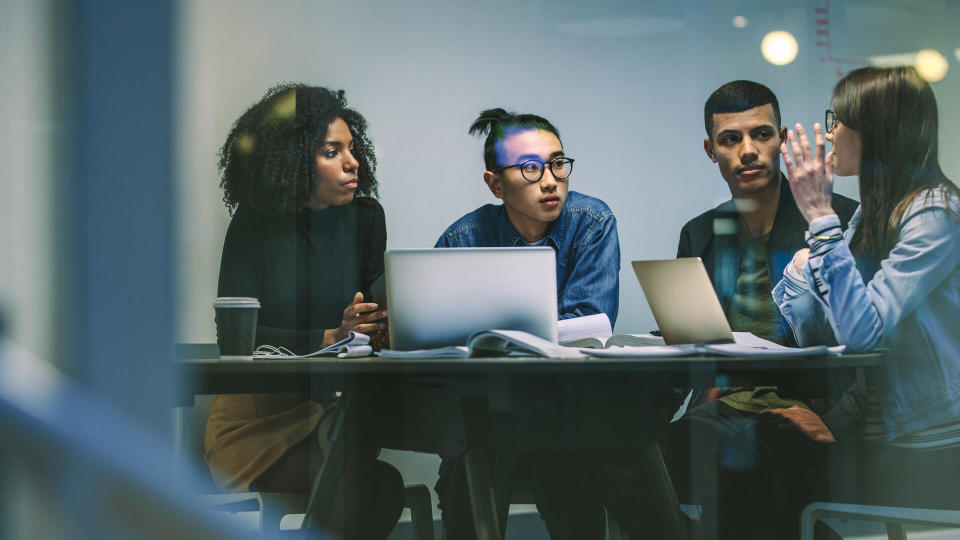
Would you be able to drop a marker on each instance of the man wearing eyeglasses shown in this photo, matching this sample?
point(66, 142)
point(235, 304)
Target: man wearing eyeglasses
point(745, 244)
point(527, 169)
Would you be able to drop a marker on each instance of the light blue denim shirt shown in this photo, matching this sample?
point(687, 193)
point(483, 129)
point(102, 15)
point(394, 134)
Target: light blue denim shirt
point(584, 238)
point(911, 305)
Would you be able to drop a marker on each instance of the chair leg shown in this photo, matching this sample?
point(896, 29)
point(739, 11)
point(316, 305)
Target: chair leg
point(664, 496)
point(613, 528)
point(417, 499)
point(896, 531)
point(482, 497)
point(505, 470)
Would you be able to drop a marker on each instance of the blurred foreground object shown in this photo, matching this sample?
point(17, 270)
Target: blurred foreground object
point(72, 467)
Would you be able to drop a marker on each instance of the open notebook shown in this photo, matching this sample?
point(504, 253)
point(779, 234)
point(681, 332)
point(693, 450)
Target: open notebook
point(486, 343)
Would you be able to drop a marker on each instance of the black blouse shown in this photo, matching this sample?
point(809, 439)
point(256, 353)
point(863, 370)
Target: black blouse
point(304, 268)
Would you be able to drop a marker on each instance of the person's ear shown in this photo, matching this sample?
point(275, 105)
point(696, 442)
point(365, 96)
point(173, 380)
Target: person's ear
point(493, 182)
point(783, 134)
point(708, 148)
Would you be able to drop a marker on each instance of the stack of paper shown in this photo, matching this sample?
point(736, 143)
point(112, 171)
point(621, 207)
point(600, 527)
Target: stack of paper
point(745, 344)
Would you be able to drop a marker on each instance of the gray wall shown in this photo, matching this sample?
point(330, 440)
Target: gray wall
point(624, 82)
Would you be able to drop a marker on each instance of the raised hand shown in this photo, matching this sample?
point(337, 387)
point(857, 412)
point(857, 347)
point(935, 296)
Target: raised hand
point(810, 174)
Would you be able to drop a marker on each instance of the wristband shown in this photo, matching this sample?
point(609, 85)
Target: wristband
point(808, 235)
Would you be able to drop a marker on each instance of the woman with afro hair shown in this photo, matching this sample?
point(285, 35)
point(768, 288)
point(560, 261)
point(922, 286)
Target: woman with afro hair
point(306, 239)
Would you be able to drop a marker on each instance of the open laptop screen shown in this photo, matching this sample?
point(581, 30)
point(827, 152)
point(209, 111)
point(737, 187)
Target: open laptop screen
point(438, 297)
point(683, 301)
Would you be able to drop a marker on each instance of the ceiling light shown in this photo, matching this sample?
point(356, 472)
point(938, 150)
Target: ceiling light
point(779, 47)
point(931, 65)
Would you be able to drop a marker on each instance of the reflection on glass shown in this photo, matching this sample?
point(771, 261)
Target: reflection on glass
point(779, 47)
point(931, 65)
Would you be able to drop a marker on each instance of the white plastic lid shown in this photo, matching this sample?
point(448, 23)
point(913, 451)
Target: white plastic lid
point(236, 302)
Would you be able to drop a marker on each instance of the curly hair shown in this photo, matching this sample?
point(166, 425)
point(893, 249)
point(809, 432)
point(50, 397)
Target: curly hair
point(268, 163)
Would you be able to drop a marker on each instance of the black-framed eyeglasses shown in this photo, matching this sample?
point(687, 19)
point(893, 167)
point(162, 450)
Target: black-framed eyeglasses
point(532, 169)
point(830, 121)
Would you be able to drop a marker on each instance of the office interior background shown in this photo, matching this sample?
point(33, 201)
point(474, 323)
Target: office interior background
point(112, 113)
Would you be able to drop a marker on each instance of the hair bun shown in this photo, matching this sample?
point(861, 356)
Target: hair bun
point(487, 119)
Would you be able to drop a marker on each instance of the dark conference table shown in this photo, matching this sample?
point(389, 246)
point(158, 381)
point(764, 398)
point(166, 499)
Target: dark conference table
point(477, 406)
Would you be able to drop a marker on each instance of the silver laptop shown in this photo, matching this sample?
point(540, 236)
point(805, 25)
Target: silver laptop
point(438, 297)
point(683, 301)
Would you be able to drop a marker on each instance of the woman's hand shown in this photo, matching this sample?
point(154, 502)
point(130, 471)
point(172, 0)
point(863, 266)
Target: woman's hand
point(358, 317)
point(799, 259)
point(381, 340)
point(811, 176)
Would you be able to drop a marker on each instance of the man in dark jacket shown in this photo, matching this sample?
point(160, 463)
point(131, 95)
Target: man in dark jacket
point(765, 441)
point(746, 242)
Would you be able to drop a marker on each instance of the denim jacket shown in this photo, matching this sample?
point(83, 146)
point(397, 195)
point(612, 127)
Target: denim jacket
point(910, 305)
point(584, 238)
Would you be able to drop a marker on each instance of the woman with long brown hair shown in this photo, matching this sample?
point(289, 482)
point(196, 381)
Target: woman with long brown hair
point(892, 280)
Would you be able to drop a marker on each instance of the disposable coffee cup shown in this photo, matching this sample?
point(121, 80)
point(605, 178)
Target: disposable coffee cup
point(236, 319)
